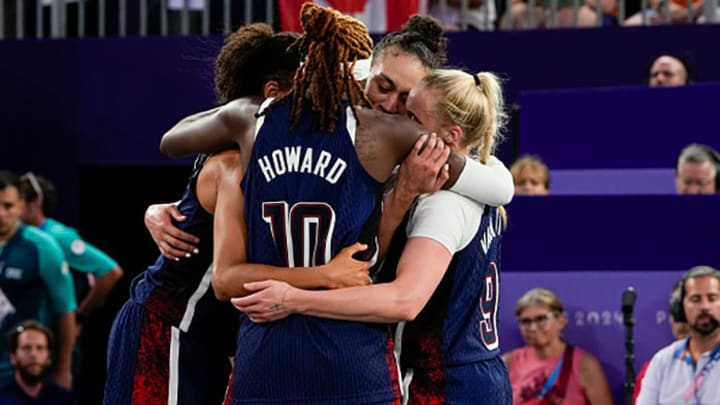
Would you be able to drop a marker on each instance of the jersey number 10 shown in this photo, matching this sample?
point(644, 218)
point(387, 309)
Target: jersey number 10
point(303, 232)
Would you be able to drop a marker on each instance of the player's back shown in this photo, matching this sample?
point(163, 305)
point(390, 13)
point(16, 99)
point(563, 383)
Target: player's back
point(180, 290)
point(306, 197)
point(459, 323)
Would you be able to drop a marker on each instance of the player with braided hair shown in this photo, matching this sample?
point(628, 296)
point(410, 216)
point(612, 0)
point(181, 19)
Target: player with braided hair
point(172, 341)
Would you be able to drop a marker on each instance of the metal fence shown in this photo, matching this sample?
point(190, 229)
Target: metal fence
point(79, 18)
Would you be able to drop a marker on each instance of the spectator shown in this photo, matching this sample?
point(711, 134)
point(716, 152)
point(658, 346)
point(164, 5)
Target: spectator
point(479, 16)
point(668, 71)
point(678, 326)
point(684, 371)
point(696, 171)
point(519, 14)
point(548, 370)
point(94, 272)
point(30, 345)
point(676, 13)
point(531, 176)
point(35, 282)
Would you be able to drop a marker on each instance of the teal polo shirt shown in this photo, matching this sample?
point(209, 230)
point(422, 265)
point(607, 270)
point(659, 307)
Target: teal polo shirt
point(81, 256)
point(35, 280)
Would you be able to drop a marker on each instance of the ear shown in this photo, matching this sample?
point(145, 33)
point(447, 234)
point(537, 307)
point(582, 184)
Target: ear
point(562, 319)
point(271, 88)
point(454, 135)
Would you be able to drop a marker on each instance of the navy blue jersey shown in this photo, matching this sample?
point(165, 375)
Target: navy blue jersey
point(186, 283)
point(306, 197)
point(459, 323)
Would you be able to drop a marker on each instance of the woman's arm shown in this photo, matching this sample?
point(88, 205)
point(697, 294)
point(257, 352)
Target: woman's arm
point(231, 270)
point(422, 266)
point(490, 183)
point(210, 131)
point(423, 171)
point(441, 225)
point(593, 381)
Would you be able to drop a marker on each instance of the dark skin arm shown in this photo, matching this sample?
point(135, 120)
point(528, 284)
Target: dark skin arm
point(383, 141)
point(213, 130)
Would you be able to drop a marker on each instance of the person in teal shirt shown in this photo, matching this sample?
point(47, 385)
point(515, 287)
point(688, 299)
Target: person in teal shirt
point(94, 272)
point(35, 282)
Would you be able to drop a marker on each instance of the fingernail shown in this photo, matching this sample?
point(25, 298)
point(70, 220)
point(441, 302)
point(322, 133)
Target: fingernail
point(187, 255)
point(177, 259)
point(196, 250)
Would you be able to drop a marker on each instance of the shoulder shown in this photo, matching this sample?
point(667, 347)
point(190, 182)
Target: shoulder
point(445, 206)
point(57, 393)
point(588, 362)
point(40, 239)
point(383, 124)
point(665, 355)
point(229, 159)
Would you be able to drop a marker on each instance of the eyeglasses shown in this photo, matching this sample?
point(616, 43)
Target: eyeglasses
point(30, 176)
point(541, 321)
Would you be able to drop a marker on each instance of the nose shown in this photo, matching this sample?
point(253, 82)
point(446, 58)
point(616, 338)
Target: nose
point(390, 104)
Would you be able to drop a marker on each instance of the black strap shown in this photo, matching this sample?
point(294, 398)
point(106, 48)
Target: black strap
point(565, 371)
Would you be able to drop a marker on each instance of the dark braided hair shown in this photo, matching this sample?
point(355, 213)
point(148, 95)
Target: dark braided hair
point(331, 44)
point(421, 36)
point(252, 56)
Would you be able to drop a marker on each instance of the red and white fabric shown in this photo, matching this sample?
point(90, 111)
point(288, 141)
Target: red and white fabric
point(379, 15)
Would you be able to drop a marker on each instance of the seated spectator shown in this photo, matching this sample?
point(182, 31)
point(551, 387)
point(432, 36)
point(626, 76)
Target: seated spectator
point(696, 170)
point(480, 14)
point(30, 346)
point(548, 370)
point(679, 327)
point(518, 16)
point(668, 71)
point(684, 372)
point(655, 14)
point(531, 176)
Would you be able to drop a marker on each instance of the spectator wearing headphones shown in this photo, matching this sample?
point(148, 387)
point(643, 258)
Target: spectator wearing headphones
point(678, 326)
point(685, 371)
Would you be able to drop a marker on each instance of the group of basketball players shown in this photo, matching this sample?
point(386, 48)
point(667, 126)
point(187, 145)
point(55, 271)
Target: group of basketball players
point(293, 221)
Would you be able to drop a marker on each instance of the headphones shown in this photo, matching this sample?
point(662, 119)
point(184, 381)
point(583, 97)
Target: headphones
point(715, 157)
point(677, 309)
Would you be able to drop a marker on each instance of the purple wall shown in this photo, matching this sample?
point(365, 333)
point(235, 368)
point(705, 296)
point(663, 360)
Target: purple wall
point(98, 107)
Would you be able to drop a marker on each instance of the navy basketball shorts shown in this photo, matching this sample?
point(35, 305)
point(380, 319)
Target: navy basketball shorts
point(150, 361)
point(483, 382)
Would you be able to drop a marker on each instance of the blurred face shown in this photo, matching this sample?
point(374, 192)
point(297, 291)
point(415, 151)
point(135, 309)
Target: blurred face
point(702, 304)
point(540, 326)
point(391, 77)
point(530, 181)
point(11, 207)
point(695, 178)
point(32, 356)
point(667, 71)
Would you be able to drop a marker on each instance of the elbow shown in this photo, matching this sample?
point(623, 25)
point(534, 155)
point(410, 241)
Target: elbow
point(408, 308)
point(117, 273)
point(166, 146)
point(507, 195)
point(219, 285)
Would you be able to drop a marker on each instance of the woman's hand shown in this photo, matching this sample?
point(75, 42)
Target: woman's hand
point(266, 303)
point(344, 271)
point(172, 242)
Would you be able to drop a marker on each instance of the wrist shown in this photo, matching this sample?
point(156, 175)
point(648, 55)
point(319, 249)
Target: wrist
point(293, 301)
point(401, 198)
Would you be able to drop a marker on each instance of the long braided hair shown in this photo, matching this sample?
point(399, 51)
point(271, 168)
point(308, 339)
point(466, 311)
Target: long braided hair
point(331, 45)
